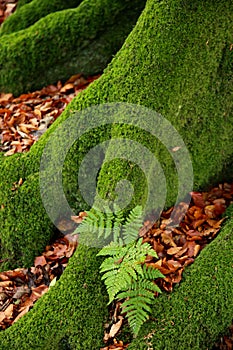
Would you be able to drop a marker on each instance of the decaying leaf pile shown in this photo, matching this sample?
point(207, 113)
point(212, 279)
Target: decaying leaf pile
point(25, 118)
point(177, 247)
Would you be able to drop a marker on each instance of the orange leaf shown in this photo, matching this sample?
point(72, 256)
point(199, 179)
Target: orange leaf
point(174, 250)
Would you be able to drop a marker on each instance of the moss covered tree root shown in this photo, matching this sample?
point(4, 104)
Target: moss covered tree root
point(81, 39)
point(29, 14)
point(177, 61)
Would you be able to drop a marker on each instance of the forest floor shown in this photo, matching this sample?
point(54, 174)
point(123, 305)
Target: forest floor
point(22, 121)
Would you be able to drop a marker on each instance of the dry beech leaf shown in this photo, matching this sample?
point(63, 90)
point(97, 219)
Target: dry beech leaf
point(2, 316)
point(173, 251)
point(174, 264)
point(6, 283)
point(210, 211)
point(79, 218)
point(196, 249)
point(198, 199)
point(181, 252)
point(16, 273)
point(9, 311)
point(39, 291)
point(167, 239)
point(22, 313)
point(114, 329)
point(67, 87)
point(5, 97)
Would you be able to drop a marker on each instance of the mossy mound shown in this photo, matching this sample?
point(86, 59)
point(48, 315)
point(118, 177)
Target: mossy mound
point(63, 43)
point(27, 15)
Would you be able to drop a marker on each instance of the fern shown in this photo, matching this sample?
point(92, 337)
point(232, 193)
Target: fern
point(139, 298)
point(125, 265)
point(132, 225)
point(108, 224)
point(126, 277)
point(124, 272)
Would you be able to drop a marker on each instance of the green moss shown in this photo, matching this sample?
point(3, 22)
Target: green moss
point(22, 3)
point(185, 78)
point(183, 71)
point(70, 315)
point(24, 234)
point(27, 15)
point(64, 43)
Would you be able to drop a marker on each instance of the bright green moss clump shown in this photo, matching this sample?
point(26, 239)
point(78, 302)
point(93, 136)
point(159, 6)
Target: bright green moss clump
point(27, 15)
point(63, 43)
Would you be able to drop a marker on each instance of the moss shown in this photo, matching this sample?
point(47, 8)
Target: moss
point(200, 309)
point(64, 43)
point(22, 3)
point(70, 315)
point(185, 78)
point(24, 234)
point(182, 71)
point(27, 15)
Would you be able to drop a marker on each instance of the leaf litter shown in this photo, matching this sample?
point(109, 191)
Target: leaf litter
point(23, 120)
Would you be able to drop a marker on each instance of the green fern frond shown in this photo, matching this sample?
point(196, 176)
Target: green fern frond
point(89, 223)
point(125, 276)
point(119, 279)
point(108, 264)
point(136, 319)
point(124, 272)
point(104, 223)
point(117, 229)
point(113, 249)
point(116, 281)
point(139, 298)
point(130, 304)
point(135, 293)
point(151, 273)
point(132, 226)
point(143, 249)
